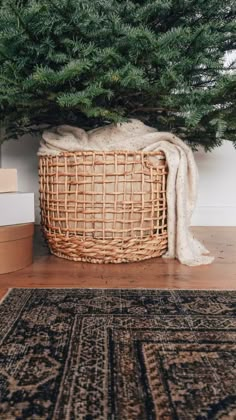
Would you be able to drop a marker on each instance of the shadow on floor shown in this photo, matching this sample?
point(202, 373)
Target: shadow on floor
point(40, 245)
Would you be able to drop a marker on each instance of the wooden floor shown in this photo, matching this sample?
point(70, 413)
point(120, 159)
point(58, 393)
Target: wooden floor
point(50, 271)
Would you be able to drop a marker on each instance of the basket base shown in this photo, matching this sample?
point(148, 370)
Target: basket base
point(100, 251)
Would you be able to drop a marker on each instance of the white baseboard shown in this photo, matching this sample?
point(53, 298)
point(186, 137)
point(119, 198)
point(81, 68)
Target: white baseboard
point(214, 216)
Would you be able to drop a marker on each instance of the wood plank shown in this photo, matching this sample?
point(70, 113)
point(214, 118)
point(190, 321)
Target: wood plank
point(50, 271)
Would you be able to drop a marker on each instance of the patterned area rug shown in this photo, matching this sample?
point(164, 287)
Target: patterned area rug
point(117, 354)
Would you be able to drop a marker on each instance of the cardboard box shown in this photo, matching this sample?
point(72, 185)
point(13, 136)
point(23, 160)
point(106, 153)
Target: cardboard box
point(16, 247)
point(16, 208)
point(8, 180)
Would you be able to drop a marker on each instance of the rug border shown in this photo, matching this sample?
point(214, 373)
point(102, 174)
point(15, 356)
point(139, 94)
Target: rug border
point(2, 300)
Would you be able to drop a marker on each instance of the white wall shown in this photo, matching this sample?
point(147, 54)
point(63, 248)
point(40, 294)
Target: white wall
point(217, 191)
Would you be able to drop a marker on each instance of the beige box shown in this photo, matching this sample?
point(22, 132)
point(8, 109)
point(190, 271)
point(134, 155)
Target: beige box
point(16, 247)
point(8, 180)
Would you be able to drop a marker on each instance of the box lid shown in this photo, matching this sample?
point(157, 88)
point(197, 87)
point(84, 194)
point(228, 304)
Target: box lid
point(15, 232)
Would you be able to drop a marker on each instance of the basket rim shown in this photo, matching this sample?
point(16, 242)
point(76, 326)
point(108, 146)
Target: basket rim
point(105, 152)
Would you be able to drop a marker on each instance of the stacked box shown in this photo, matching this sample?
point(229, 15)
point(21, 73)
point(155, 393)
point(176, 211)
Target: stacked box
point(16, 208)
point(16, 223)
point(8, 180)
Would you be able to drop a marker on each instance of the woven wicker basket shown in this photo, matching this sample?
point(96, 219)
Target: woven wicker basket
point(104, 207)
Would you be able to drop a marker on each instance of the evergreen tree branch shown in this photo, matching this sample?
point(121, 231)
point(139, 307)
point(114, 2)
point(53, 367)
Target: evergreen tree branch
point(23, 24)
point(87, 64)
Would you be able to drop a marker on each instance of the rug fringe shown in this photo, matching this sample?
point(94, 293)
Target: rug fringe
point(6, 294)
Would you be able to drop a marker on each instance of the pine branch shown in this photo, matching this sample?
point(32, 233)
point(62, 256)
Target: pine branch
point(23, 24)
point(198, 34)
point(152, 109)
point(83, 63)
point(4, 55)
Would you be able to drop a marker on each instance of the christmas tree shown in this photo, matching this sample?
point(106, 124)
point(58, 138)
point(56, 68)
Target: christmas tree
point(89, 63)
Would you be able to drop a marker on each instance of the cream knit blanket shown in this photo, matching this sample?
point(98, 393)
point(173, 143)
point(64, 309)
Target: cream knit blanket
point(182, 182)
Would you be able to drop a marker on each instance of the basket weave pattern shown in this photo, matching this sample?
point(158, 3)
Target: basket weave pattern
point(104, 207)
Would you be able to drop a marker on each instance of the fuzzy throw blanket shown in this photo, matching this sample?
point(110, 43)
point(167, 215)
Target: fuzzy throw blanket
point(182, 182)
